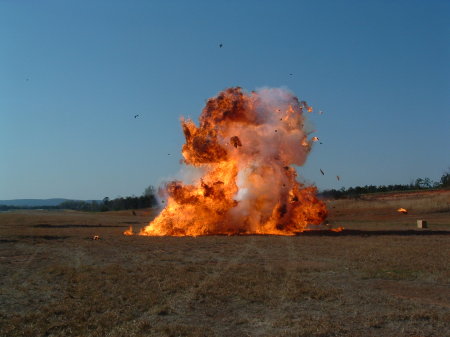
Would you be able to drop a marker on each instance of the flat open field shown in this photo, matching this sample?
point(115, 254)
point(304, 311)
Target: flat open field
point(381, 277)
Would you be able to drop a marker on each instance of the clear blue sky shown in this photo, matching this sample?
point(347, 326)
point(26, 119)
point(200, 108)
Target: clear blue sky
point(74, 73)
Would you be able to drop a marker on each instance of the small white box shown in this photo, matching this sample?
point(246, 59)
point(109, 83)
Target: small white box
point(422, 224)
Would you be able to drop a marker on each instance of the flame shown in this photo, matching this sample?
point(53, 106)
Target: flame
point(129, 231)
point(402, 210)
point(337, 229)
point(246, 146)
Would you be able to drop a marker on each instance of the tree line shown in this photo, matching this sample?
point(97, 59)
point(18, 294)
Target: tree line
point(107, 204)
point(147, 200)
point(418, 184)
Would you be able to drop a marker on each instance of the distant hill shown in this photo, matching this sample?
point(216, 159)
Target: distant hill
point(33, 202)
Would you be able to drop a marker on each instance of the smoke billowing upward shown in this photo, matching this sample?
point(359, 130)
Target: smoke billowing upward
point(246, 145)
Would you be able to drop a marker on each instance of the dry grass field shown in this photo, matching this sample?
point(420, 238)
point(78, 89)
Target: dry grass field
point(380, 277)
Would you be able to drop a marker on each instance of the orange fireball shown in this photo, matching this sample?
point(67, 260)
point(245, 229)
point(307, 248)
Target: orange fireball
point(249, 187)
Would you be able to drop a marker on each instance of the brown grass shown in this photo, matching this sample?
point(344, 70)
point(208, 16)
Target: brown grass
point(56, 281)
point(379, 211)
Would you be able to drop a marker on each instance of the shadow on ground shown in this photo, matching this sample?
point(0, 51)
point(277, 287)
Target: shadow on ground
point(355, 232)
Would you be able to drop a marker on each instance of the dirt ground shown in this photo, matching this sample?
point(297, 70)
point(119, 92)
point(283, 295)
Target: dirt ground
point(379, 277)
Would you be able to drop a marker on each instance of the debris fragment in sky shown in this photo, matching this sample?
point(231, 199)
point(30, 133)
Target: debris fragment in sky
point(235, 141)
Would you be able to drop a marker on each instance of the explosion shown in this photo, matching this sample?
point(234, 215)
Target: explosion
point(245, 146)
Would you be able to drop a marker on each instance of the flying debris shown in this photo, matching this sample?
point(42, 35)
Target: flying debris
point(338, 178)
point(402, 210)
point(320, 112)
point(322, 172)
point(220, 45)
point(136, 116)
point(305, 105)
point(315, 139)
point(235, 141)
point(290, 74)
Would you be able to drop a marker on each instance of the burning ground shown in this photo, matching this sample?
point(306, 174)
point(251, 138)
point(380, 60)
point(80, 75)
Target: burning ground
point(246, 146)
